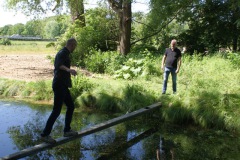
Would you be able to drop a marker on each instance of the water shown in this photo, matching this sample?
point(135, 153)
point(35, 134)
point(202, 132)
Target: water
point(21, 124)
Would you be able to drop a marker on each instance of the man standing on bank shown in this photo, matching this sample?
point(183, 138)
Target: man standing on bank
point(61, 84)
point(172, 62)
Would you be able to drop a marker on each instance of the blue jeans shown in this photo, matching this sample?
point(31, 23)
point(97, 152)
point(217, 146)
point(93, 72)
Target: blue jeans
point(167, 71)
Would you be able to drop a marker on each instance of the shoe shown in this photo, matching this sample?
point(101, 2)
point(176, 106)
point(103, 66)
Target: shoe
point(70, 133)
point(48, 139)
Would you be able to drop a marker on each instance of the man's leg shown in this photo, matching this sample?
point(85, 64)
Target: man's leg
point(70, 108)
point(174, 80)
point(58, 102)
point(165, 79)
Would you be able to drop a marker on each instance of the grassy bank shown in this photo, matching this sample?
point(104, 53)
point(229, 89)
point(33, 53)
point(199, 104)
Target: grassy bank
point(208, 93)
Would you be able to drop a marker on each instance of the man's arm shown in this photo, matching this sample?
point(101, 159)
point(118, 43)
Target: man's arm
point(71, 71)
point(179, 64)
point(163, 61)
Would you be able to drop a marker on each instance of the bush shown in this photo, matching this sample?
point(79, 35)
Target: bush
point(79, 85)
point(97, 61)
point(5, 41)
point(135, 65)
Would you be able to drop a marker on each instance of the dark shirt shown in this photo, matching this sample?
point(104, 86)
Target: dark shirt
point(62, 77)
point(172, 57)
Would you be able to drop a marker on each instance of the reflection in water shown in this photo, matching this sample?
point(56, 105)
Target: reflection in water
point(165, 150)
point(22, 124)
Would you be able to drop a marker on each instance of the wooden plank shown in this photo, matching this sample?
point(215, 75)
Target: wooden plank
point(93, 129)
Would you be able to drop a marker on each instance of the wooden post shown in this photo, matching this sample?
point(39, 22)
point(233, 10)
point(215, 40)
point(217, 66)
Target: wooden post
point(93, 129)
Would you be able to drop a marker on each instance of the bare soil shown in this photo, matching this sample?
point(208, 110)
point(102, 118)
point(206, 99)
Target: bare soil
point(26, 67)
point(29, 67)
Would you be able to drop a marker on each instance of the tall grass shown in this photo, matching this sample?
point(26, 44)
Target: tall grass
point(208, 93)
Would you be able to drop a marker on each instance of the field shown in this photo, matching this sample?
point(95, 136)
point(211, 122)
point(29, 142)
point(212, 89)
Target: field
point(26, 60)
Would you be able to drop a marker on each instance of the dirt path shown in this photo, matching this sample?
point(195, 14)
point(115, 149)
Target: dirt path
point(25, 67)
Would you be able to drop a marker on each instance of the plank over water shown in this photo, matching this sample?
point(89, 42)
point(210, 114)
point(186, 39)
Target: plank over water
point(93, 129)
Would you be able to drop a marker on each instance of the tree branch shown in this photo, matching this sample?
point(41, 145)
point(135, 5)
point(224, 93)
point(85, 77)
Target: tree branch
point(153, 34)
point(143, 24)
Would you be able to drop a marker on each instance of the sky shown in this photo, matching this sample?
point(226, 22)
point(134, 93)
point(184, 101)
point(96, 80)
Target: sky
point(12, 17)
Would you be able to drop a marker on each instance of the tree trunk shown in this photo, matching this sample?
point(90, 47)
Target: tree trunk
point(124, 10)
point(125, 28)
point(235, 30)
point(77, 11)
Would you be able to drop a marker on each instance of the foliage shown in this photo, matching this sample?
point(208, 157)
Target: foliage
point(142, 64)
point(50, 27)
point(42, 90)
point(126, 67)
point(79, 85)
point(207, 94)
point(135, 96)
point(5, 41)
point(98, 61)
point(234, 58)
point(131, 68)
point(33, 28)
point(98, 33)
point(212, 25)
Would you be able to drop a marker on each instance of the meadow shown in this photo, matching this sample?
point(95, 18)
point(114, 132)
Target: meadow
point(26, 47)
point(208, 92)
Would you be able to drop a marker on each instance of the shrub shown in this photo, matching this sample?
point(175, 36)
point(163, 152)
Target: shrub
point(97, 61)
point(5, 41)
point(141, 64)
point(79, 85)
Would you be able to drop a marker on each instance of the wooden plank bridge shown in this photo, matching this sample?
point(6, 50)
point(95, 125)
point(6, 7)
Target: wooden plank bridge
point(43, 146)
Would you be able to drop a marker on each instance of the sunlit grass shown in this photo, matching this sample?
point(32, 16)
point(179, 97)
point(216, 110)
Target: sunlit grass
point(208, 94)
point(27, 47)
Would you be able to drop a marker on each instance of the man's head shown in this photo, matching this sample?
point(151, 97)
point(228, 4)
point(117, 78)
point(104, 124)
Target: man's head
point(71, 44)
point(173, 43)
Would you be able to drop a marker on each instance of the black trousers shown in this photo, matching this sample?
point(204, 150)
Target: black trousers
point(61, 95)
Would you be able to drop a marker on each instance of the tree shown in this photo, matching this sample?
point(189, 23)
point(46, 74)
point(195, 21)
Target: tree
point(33, 28)
point(124, 12)
point(52, 29)
point(6, 30)
point(213, 25)
point(18, 28)
point(37, 7)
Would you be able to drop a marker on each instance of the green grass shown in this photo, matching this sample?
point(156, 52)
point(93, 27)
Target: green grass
point(208, 93)
point(27, 47)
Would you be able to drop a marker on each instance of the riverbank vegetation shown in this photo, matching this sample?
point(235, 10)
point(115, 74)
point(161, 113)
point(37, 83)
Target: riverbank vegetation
point(208, 93)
